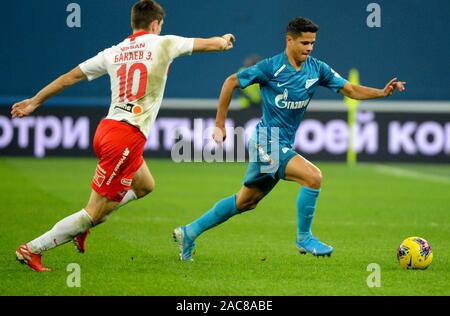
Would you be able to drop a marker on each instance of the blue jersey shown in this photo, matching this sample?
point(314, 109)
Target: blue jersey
point(286, 92)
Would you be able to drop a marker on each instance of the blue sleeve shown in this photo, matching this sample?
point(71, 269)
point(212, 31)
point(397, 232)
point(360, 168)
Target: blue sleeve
point(330, 78)
point(259, 73)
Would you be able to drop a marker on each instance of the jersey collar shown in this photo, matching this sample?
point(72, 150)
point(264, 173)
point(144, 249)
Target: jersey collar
point(289, 65)
point(132, 37)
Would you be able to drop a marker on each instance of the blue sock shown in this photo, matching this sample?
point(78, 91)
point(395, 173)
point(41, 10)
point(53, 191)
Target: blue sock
point(219, 213)
point(306, 206)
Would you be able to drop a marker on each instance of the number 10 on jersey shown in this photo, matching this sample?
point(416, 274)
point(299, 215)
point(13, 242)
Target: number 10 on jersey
point(126, 77)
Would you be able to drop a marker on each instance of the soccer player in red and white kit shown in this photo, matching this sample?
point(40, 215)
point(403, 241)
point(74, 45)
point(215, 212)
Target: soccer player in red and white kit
point(138, 69)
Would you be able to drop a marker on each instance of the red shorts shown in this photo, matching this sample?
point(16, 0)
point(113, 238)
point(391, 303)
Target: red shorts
point(119, 147)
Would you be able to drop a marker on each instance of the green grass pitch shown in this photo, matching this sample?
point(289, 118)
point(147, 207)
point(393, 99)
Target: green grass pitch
point(364, 212)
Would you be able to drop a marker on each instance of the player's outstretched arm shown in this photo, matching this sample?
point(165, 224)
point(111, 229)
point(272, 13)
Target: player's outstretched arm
point(214, 44)
point(364, 93)
point(226, 94)
point(28, 106)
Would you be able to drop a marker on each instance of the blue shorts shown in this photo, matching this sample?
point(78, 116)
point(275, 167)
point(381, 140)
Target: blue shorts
point(266, 166)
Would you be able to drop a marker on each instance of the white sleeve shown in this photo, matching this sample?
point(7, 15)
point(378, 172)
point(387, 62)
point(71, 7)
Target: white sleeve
point(179, 46)
point(94, 67)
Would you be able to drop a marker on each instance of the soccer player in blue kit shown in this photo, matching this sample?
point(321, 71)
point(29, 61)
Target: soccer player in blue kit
point(288, 81)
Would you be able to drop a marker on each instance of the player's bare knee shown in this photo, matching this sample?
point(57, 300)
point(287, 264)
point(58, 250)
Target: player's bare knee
point(315, 180)
point(241, 205)
point(149, 187)
point(145, 189)
point(247, 205)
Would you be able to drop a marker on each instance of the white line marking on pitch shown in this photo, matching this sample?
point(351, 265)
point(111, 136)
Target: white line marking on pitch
point(405, 173)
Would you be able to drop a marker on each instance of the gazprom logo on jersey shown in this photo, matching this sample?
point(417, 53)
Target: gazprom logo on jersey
point(282, 102)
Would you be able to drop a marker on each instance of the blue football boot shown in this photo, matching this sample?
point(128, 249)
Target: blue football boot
point(185, 243)
point(314, 246)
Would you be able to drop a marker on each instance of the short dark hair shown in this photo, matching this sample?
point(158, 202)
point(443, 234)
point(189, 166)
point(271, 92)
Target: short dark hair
point(144, 12)
point(298, 25)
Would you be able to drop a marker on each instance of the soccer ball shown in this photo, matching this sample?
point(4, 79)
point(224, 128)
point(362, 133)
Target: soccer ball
point(414, 253)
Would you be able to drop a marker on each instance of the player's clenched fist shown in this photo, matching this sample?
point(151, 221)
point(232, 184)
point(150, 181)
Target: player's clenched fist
point(230, 38)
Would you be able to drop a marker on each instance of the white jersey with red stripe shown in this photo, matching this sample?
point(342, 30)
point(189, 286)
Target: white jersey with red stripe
point(138, 69)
